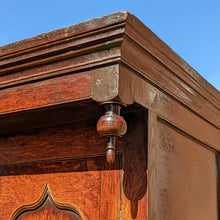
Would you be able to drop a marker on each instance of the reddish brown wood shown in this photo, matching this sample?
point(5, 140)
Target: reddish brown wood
point(46, 93)
point(152, 159)
point(60, 166)
point(80, 189)
point(61, 66)
point(46, 208)
point(60, 142)
point(187, 176)
point(111, 125)
point(134, 173)
point(110, 188)
point(49, 212)
point(48, 120)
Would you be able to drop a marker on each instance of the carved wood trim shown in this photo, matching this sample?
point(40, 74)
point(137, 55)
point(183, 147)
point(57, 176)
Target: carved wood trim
point(45, 199)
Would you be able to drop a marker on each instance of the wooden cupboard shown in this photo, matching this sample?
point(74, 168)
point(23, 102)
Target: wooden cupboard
point(52, 159)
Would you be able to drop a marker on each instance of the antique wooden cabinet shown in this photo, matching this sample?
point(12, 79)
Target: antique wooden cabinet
point(52, 159)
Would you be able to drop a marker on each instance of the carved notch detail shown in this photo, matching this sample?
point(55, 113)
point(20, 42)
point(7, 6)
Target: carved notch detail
point(46, 207)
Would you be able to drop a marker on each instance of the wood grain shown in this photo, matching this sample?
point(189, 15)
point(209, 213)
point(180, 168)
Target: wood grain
point(176, 113)
point(80, 189)
point(168, 170)
point(45, 93)
point(60, 142)
point(105, 83)
point(110, 194)
point(152, 168)
point(85, 184)
point(47, 208)
point(134, 173)
point(60, 66)
point(163, 54)
point(64, 33)
point(60, 166)
point(185, 177)
point(147, 66)
point(49, 213)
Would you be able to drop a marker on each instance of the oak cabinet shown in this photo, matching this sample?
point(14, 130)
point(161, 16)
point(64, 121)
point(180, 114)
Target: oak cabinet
point(52, 159)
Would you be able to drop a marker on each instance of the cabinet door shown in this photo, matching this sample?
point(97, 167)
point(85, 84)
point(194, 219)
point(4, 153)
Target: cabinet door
point(68, 190)
point(61, 173)
point(47, 208)
point(58, 173)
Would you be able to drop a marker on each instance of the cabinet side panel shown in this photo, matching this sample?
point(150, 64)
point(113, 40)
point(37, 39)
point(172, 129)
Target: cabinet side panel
point(185, 176)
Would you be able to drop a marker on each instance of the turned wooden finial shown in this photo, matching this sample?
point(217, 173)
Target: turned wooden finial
point(111, 125)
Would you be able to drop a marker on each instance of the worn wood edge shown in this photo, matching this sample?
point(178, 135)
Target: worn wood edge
point(196, 110)
point(73, 69)
point(76, 42)
point(165, 55)
point(43, 106)
point(46, 57)
point(63, 33)
point(152, 142)
point(83, 79)
point(185, 133)
point(76, 164)
point(134, 24)
point(218, 182)
point(173, 111)
point(105, 83)
point(161, 71)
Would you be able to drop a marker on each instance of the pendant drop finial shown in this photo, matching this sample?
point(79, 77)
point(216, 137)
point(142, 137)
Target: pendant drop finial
point(111, 125)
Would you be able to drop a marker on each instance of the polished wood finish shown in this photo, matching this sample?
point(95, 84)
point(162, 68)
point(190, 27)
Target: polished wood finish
point(166, 165)
point(47, 208)
point(111, 125)
point(135, 198)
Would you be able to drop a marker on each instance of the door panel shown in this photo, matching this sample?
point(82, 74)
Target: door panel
point(47, 208)
point(81, 183)
point(81, 190)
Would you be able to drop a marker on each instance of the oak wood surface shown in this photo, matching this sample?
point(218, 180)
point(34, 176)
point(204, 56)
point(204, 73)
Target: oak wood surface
point(134, 172)
point(174, 112)
point(161, 52)
point(184, 182)
point(152, 169)
point(84, 171)
point(112, 38)
point(82, 183)
point(147, 66)
point(88, 27)
point(47, 208)
point(114, 57)
point(46, 214)
point(79, 139)
point(79, 189)
point(110, 194)
point(45, 93)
